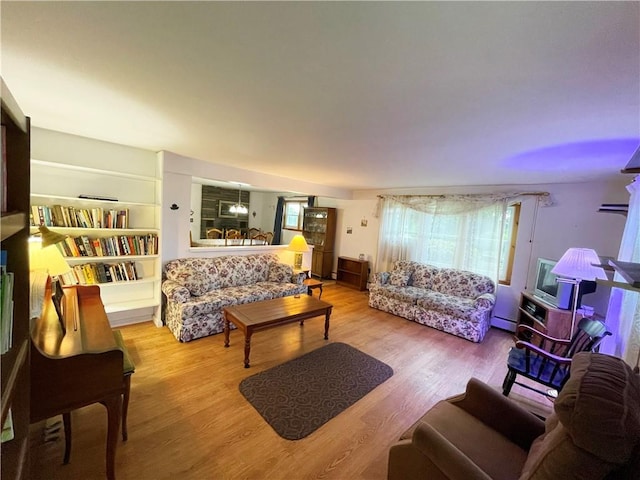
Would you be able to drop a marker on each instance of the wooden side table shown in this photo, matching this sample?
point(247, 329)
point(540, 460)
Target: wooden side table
point(312, 284)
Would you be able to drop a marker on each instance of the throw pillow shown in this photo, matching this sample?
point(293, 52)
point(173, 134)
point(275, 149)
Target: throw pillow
point(280, 273)
point(196, 282)
point(399, 278)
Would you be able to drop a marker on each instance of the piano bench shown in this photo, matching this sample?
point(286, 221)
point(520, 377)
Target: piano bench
point(128, 368)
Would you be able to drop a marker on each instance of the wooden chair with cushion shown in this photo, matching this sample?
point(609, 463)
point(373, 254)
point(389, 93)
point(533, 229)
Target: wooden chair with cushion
point(214, 233)
point(547, 360)
point(128, 368)
point(259, 239)
point(253, 232)
point(234, 237)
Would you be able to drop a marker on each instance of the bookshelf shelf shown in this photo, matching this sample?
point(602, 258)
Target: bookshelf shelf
point(64, 167)
point(14, 223)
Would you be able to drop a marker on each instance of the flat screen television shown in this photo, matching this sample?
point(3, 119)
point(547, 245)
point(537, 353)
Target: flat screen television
point(557, 294)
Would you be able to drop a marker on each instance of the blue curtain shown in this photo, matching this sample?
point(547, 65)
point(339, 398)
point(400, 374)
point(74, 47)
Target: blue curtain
point(311, 201)
point(277, 226)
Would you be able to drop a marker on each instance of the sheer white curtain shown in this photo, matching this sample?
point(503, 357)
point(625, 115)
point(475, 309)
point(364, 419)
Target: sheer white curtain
point(623, 314)
point(457, 231)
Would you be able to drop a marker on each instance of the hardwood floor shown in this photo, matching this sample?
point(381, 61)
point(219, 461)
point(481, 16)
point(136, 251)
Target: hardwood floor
point(188, 420)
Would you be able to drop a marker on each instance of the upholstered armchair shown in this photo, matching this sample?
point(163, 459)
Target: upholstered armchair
point(594, 432)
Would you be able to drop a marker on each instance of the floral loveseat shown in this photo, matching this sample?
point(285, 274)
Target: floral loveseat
point(197, 289)
point(455, 301)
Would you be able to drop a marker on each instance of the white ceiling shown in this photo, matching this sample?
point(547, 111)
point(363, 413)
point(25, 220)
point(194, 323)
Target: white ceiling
point(348, 94)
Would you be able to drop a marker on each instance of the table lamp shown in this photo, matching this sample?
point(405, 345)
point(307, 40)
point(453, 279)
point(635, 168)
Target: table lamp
point(576, 265)
point(298, 245)
point(45, 260)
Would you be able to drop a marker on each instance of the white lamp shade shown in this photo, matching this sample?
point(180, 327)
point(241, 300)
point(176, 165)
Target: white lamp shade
point(579, 263)
point(48, 259)
point(298, 244)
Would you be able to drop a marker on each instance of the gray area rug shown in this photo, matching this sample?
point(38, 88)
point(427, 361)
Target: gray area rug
point(299, 396)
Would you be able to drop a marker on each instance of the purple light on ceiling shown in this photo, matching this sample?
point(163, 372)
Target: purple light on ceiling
point(592, 155)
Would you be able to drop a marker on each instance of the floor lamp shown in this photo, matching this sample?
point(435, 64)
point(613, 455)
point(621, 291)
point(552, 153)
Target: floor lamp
point(576, 265)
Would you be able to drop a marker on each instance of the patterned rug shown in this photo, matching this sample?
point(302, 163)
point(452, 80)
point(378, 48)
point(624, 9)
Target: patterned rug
point(299, 396)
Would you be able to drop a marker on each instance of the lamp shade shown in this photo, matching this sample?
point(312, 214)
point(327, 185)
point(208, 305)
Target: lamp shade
point(49, 237)
point(46, 258)
point(579, 263)
point(298, 244)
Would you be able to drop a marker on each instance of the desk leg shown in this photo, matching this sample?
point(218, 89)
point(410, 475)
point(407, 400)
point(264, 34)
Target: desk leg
point(113, 404)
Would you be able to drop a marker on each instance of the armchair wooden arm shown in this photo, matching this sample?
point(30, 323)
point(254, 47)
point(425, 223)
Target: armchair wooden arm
point(543, 353)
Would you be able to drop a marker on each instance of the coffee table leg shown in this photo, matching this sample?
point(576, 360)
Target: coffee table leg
point(326, 325)
point(226, 332)
point(247, 348)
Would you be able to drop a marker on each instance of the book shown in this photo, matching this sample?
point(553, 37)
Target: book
point(3, 202)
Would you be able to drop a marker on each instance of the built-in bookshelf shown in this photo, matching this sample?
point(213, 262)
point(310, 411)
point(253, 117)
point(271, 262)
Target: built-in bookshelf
point(109, 209)
point(14, 232)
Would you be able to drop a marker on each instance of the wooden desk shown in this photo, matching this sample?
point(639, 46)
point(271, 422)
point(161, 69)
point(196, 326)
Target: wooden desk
point(77, 368)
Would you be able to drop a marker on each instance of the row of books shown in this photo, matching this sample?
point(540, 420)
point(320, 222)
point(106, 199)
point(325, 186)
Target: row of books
point(94, 273)
point(61, 216)
point(117, 245)
point(6, 305)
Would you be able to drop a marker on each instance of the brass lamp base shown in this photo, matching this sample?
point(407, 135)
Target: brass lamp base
point(297, 261)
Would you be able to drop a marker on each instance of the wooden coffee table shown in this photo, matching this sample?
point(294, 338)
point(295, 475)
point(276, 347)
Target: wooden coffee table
point(256, 316)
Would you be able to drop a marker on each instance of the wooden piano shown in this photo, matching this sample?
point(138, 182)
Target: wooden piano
point(75, 362)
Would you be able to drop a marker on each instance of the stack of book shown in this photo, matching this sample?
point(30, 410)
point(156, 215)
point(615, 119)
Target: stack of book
point(119, 245)
point(95, 273)
point(61, 216)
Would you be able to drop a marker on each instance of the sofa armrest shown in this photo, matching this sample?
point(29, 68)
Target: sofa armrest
point(501, 414)
point(380, 278)
point(485, 301)
point(443, 454)
point(298, 278)
point(175, 292)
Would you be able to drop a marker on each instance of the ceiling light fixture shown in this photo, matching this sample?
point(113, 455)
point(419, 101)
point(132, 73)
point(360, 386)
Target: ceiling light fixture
point(239, 208)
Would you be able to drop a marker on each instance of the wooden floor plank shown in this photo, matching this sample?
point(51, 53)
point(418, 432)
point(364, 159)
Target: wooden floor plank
point(188, 420)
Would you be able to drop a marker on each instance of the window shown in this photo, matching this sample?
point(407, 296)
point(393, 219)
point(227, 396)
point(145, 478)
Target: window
point(509, 236)
point(293, 214)
point(447, 233)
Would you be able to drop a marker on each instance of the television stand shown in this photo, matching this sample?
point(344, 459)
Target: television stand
point(538, 314)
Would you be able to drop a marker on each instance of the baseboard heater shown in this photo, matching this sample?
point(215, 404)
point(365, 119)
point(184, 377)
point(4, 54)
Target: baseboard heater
point(503, 323)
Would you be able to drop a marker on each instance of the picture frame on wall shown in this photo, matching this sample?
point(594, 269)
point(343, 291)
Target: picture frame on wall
point(224, 209)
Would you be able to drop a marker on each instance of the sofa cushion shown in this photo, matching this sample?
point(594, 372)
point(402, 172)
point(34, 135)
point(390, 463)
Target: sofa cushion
point(553, 455)
point(400, 278)
point(404, 294)
point(280, 273)
point(238, 270)
point(454, 306)
point(600, 406)
point(423, 275)
point(198, 283)
point(461, 283)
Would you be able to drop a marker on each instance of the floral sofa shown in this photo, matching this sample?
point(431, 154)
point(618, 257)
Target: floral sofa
point(197, 289)
point(454, 301)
